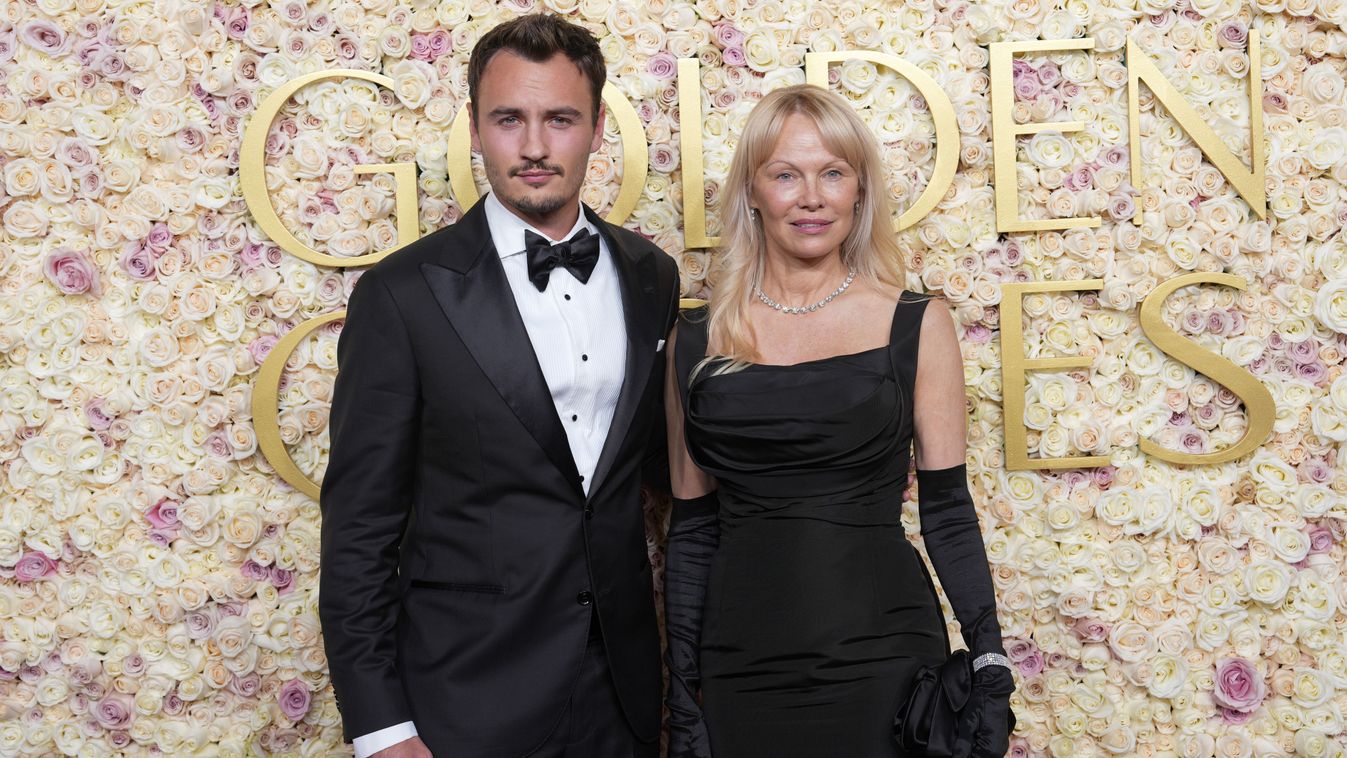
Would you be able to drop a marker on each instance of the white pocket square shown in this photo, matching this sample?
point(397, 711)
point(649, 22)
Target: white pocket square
point(659, 346)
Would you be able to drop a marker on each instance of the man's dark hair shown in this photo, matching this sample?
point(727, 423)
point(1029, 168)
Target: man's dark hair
point(538, 37)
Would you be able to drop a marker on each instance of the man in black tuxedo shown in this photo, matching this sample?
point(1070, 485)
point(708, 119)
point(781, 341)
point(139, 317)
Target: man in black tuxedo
point(485, 584)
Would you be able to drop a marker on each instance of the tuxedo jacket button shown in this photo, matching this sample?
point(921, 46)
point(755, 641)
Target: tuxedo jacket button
point(589, 511)
point(584, 598)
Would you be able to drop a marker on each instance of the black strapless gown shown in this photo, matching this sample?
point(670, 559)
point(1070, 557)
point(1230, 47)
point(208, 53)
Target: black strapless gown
point(818, 609)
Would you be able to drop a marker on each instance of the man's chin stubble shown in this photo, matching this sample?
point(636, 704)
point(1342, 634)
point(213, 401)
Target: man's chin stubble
point(539, 206)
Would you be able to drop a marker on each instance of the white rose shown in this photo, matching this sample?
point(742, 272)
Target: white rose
point(1268, 582)
point(1327, 148)
point(1330, 305)
point(1169, 672)
point(412, 81)
point(1310, 688)
point(1290, 544)
point(1050, 150)
point(1273, 474)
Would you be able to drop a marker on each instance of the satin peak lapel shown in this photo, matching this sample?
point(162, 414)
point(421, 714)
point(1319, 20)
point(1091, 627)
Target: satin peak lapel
point(477, 301)
point(636, 273)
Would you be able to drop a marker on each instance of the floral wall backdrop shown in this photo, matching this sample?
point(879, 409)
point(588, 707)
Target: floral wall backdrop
point(158, 580)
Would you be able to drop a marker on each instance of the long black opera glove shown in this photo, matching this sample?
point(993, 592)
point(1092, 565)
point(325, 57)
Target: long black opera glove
point(694, 535)
point(949, 526)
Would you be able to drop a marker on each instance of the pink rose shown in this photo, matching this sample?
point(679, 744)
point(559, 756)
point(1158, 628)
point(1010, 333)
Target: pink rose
point(72, 272)
point(75, 153)
point(260, 347)
point(114, 712)
point(163, 514)
point(1079, 179)
point(1115, 156)
point(734, 56)
point(294, 699)
point(159, 237)
point(1090, 630)
point(217, 445)
point(1239, 686)
point(420, 47)
point(254, 570)
point(1276, 102)
point(440, 43)
point(45, 37)
point(281, 579)
point(1316, 470)
point(1121, 206)
point(1314, 373)
point(134, 665)
point(662, 66)
point(1027, 86)
point(95, 414)
point(236, 23)
point(728, 36)
point(191, 139)
point(245, 686)
point(163, 537)
point(1321, 539)
point(34, 565)
point(1031, 665)
point(200, 624)
point(1232, 34)
point(1194, 440)
point(1049, 74)
point(1103, 476)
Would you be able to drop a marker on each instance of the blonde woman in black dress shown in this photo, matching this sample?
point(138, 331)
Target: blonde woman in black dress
point(797, 610)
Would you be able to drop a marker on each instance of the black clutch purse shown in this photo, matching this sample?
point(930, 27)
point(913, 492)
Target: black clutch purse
point(928, 723)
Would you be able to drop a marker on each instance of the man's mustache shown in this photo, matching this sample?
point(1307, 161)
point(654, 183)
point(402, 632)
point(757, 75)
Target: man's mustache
point(537, 166)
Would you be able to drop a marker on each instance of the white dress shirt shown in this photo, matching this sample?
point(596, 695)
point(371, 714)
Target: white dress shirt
point(579, 334)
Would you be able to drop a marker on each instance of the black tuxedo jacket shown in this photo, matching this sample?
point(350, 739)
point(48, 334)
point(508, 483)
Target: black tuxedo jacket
point(461, 559)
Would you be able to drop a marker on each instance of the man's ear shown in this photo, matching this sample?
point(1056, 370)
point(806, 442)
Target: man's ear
point(597, 142)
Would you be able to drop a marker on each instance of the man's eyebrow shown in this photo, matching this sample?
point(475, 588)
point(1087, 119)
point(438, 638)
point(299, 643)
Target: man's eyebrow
point(503, 110)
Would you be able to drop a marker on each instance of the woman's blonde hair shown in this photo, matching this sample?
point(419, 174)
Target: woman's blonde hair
point(870, 249)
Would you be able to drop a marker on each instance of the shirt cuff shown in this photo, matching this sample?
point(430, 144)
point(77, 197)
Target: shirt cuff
point(369, 744)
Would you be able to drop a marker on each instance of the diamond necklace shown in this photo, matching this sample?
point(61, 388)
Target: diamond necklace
point(803, 309)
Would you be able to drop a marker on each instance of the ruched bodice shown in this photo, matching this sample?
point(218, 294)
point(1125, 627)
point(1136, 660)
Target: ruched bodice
point(816, 440)
point(817, 609)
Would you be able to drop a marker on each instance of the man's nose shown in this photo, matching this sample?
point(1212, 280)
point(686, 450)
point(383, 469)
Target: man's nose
point(534, 147)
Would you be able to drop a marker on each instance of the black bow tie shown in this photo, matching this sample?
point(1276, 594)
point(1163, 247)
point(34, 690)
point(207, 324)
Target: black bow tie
point(577, 255)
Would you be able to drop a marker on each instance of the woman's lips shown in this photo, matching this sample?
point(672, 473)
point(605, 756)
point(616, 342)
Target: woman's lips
point(812, 226)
